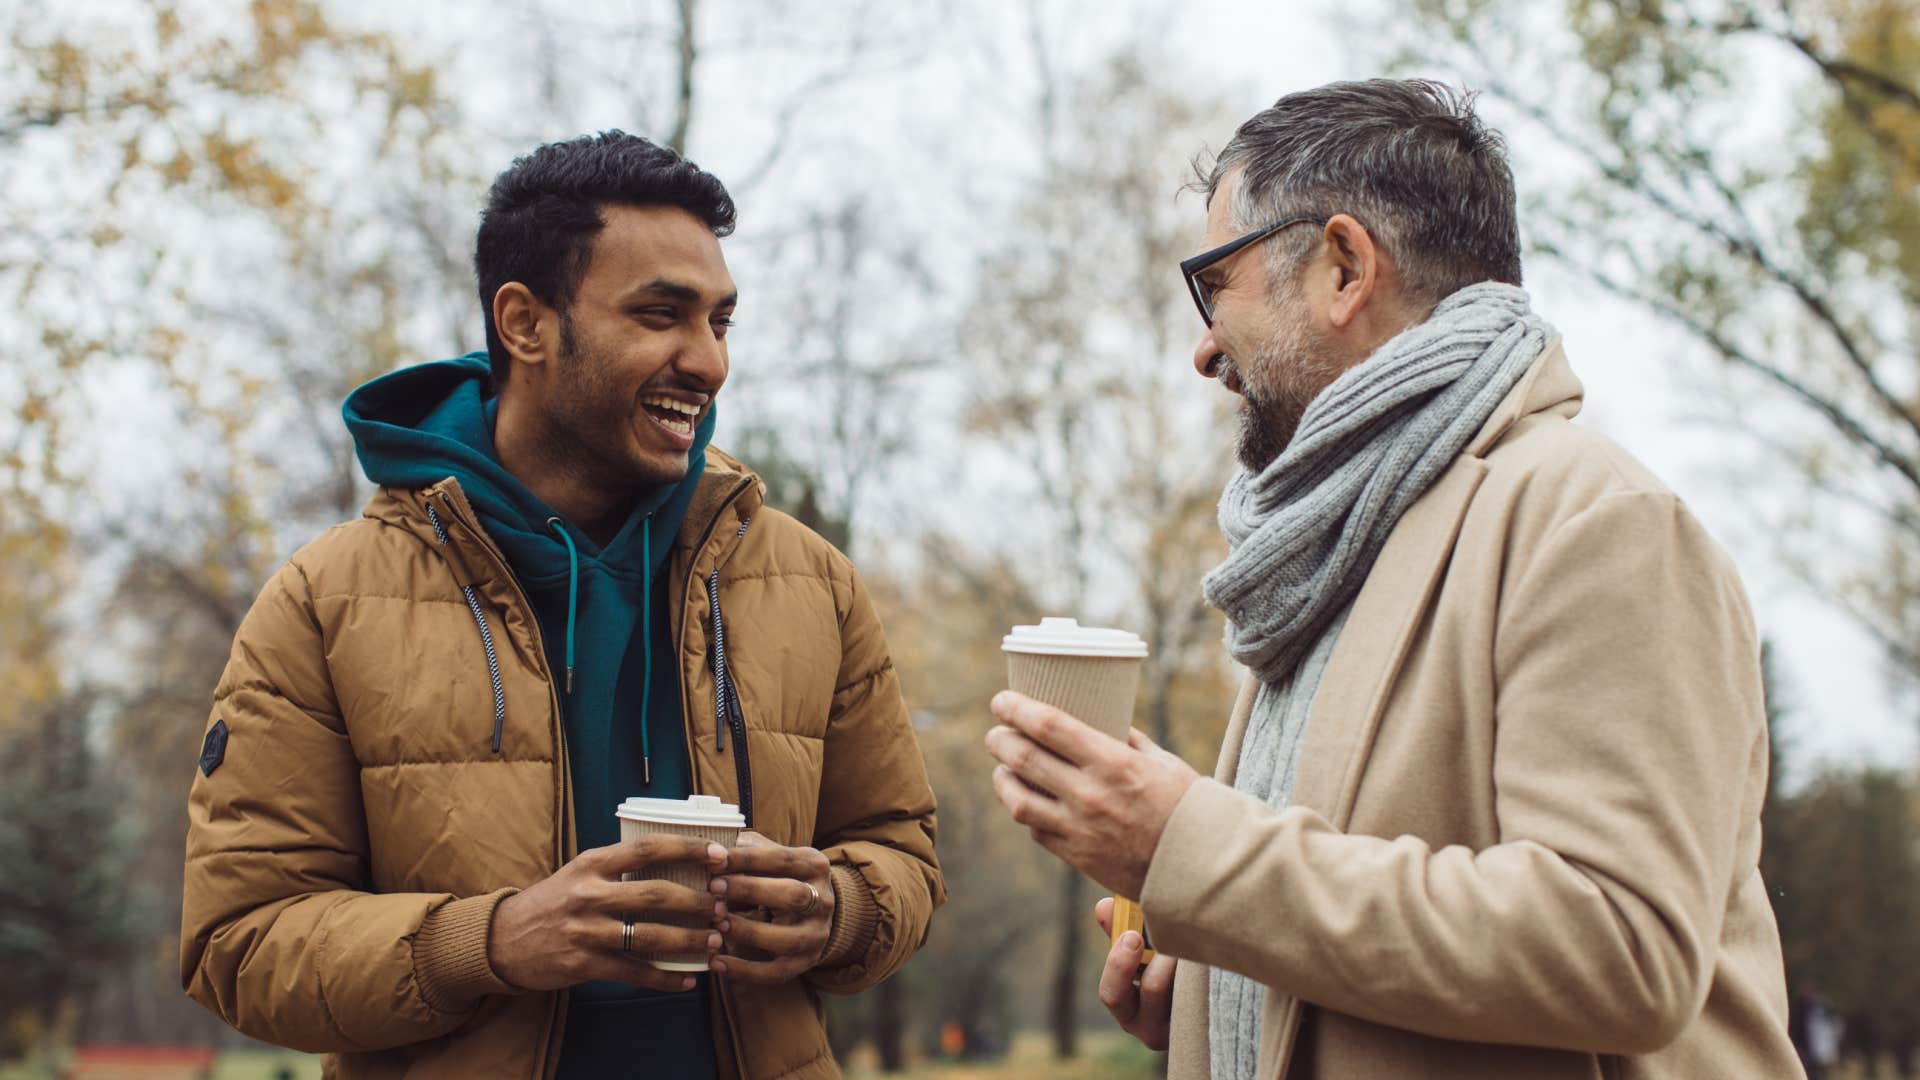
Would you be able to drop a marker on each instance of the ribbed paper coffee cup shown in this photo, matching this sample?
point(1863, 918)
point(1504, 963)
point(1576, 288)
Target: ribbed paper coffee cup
point(702, 817)
point(1090, 673)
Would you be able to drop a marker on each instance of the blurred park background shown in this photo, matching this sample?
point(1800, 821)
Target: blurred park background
point(963, 356)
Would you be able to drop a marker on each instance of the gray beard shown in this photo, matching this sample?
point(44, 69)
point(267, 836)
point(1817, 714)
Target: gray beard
point(1289, 376)
point(1266, 428)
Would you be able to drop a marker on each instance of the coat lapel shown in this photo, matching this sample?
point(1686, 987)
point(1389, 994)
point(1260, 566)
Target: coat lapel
point(1236, 734)
point(1380, 631)
point(1386, 615)
point(1353, 693)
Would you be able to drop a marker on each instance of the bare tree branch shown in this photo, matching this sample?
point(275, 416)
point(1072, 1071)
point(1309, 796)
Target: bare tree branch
point(1746, 248)
point(1734, 353)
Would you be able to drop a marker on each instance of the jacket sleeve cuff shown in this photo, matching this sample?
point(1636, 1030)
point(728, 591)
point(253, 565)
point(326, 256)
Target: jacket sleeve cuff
point(1176, 895)
point(855, 917)
point(450, 953)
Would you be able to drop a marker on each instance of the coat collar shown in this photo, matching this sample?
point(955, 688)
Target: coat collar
point(1549, 386)
point(725, 485)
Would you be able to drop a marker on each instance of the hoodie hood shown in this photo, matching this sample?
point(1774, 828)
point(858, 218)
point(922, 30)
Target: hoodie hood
point(422, 424)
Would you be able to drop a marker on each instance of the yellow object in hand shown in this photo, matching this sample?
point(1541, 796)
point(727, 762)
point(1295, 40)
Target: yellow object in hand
point(1128, 916)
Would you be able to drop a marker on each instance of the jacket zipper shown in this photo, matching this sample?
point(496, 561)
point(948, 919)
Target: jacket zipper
point(679, 626)
point(721, 990)
point(555, 1014)
point(727, 712)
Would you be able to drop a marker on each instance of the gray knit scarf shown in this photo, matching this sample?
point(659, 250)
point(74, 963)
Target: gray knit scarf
point(1304, 532)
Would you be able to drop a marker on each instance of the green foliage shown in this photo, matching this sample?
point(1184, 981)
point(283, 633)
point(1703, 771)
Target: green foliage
point(69, 911)
point(1863, 182)
point(1842, 861)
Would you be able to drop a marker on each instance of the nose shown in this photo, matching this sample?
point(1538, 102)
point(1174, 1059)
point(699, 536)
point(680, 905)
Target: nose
point(1206, 355)
point(705, 359)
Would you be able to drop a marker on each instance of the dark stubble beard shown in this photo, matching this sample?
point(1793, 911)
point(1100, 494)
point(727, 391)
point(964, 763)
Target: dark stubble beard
point(588, 419)
point(1287, 373)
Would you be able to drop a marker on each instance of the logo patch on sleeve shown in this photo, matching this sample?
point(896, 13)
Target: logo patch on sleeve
point(214, 750)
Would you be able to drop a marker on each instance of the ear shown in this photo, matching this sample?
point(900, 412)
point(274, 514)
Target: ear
point(528, 328)
point(1357, 262)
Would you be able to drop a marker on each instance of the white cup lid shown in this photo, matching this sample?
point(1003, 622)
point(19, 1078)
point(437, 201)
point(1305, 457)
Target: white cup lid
point(695, 810)
point(1066, 637)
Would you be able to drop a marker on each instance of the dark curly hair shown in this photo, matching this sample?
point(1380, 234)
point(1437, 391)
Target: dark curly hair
point(543, 213)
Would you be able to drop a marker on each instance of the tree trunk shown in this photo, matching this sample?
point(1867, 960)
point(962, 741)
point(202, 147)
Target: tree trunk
point(1066, 979)
point(890, 1025)
point(683, 97)
point(1160, 710)
point(51, 1035)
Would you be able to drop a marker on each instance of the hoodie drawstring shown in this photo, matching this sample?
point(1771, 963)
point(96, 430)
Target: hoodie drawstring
point(573, 590)
point(646, 626)
point(486, 641)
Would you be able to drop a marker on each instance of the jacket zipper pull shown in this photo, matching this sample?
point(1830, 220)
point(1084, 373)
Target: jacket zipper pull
point(734, 715)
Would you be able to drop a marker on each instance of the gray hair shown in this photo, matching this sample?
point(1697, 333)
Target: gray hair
point(1407, 158)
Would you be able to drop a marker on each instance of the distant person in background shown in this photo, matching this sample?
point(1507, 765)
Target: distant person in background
point(1815, 1030)
point(1489, 804)
point(403, 850)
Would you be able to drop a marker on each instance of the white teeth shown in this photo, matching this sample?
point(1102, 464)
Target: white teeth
point(671, 405)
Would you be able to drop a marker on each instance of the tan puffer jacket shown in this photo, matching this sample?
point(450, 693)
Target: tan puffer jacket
point(373, 805)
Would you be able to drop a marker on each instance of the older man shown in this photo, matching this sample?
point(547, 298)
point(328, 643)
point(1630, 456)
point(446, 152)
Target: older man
point(1489, 803)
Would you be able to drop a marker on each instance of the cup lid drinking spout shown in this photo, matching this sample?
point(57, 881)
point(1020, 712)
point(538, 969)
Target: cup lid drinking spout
point(1066, 637)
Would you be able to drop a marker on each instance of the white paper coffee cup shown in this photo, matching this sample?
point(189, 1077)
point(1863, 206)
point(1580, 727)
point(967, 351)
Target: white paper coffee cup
point(1090, 673)
point(703, 817)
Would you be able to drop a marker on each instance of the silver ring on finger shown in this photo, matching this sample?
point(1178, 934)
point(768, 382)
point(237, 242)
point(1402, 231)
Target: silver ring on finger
point(813, 900)
point(626, 935)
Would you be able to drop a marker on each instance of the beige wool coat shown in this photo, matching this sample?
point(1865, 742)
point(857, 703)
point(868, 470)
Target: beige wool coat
point(344, 859)
point(1526, 826)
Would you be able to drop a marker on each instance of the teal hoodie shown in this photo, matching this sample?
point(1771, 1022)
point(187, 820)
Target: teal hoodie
point(604, 623)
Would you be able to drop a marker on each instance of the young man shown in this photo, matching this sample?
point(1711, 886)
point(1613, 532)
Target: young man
point(1489, 805)
point(403, 849)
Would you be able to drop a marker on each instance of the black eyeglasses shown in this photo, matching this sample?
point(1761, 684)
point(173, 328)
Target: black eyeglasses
point(1191, 268)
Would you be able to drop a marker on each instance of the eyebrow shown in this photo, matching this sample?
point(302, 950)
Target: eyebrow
point(676, 290)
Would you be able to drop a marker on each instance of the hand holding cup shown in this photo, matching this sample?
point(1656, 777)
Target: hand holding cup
point(572, 927)
point(699, 819)
point(1097, 803)
point(779, 905)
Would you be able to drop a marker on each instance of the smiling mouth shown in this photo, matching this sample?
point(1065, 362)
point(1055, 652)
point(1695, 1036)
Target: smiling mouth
point(676, 416)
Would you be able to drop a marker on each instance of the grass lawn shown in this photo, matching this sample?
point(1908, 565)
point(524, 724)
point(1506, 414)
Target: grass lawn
point(1103, 1056)
point(232, 1065)
point(266, 1065)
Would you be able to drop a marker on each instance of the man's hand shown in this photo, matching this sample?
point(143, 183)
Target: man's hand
point(568, 929)
point(1096, 803)
point(1142, 1001)
point(795, 888)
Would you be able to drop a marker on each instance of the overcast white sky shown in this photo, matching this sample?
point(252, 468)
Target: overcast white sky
point(950, 94)
point(1249, 53)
